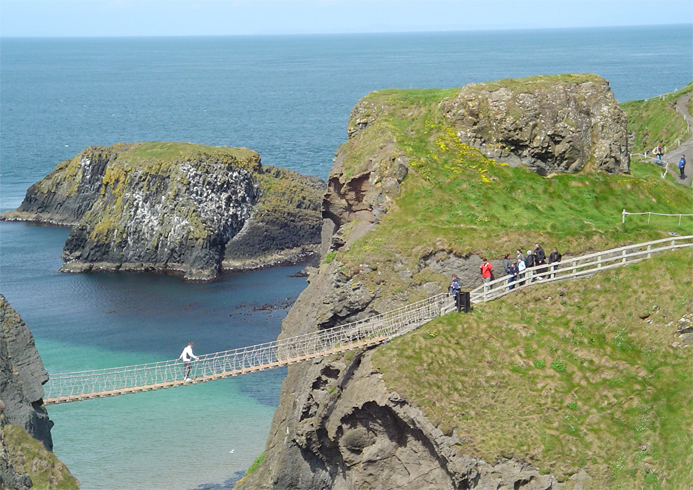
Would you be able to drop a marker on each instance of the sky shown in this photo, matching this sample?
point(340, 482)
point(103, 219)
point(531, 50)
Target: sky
point(88, 18)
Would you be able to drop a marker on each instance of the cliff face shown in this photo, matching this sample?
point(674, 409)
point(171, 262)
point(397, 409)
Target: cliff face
point(176, 207)
point(26, 463)
point(550, 124)
point(25, 430)
point(406, 195)
point(22, 376)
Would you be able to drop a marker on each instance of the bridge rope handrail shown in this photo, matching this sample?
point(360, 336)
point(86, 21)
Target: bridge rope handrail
point(71, 386)
point(81, 385)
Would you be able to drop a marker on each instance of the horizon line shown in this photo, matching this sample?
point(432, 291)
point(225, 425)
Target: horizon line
point(353, 33)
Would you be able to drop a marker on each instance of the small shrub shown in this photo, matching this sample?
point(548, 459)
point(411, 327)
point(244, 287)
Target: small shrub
point(539, 364)
point(558, 366)
point(330, 256)
point(573, 406)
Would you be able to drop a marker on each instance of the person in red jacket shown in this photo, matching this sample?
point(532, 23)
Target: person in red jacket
point(486, 268)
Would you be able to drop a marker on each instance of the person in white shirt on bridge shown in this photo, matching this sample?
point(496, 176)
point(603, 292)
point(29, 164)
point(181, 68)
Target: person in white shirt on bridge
point(187, 357)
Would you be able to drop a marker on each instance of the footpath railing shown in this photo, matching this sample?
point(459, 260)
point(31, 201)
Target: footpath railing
point(76, 386)
point(575, 268)
point(83, 385)
point(650, 214)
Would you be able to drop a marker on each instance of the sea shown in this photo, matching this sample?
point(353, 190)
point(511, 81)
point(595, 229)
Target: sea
point(289, 98)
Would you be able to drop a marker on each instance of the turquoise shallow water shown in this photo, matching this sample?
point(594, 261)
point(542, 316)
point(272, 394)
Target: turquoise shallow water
point(288, 98)
point(171, 439)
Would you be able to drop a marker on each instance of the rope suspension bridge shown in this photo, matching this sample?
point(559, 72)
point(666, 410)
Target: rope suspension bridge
point(85, 385)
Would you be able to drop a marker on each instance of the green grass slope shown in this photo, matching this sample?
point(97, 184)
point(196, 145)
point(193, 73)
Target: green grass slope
point(29, 456)
point(570, 375)
point(564, 376)
point(455, 199)
point(654, 120)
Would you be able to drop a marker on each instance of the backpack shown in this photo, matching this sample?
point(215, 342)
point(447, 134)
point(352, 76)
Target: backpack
point(521, 266)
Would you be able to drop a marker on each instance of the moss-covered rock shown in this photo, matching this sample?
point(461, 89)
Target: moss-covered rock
point(25, 463)
point(22, 376)
point(559, 123)
point(176, 207)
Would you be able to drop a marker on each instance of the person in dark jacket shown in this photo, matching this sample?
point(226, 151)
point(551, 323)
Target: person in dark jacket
point(506, 264)
point(513, 271)
point(539, 258)
point(530, 262)
point(530, 259)
point(554, 258)
point(682, 167)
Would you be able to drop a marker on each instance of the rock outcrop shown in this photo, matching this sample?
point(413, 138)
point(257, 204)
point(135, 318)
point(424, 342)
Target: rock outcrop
point(26, 463)
point(560, 123)
point(25, 429)
point(22, 376)
point(176, 207)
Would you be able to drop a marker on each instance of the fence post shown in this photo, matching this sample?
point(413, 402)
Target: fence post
point(574, 267)
point(649, 249)
point(599, 261)
point(623, 216)
point(623, 260)
point(485, 288)
point(680, 219)
point(649, 215)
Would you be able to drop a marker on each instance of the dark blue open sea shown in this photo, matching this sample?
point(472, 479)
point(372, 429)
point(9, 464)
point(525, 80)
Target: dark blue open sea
point(288, 98)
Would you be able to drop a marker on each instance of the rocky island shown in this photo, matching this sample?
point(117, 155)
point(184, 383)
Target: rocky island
point(515, 394)
point(176, 207)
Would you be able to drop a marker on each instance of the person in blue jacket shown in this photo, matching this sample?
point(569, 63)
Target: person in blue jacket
point(682, 166)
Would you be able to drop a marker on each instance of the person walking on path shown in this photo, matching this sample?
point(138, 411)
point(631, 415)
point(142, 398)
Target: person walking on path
point(554, 258)
point(520, 258)
point(682, 167)
point(530, 262)
point(520, 269)
point(513, 271)
point(506, 264)
point(658, 151)
point(486, 268)
point(187, 357)
point(454, 287)
point(539, 257)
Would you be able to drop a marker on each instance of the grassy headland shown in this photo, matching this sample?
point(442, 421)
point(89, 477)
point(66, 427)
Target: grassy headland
point(565, 376)
point(656, 119)
point(458, 200)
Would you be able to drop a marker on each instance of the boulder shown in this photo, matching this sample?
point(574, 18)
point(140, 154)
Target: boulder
point(560, 123)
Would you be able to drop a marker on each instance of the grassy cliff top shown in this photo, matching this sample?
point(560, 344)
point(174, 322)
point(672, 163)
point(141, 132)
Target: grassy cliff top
point(536, 83)
point(150, 153)
point(457, 200)
point(570, 375)
point(656, 119)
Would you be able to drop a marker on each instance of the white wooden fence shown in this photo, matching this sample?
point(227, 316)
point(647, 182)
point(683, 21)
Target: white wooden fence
point(575, 268)
point(649, 215)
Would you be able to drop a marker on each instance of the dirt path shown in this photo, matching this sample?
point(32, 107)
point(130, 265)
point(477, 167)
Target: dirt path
point(672, 158)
